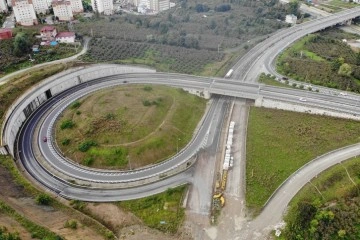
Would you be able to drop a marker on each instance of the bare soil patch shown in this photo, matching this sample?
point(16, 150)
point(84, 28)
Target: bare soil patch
point(17, 198)
point(127, 225)
point(13, 226)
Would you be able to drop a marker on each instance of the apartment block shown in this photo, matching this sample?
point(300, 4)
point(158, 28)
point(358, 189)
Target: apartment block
point(62, 10)
point(24, 12)
point(105, 7)
point(3, 6)
point(76, 6)
point(41, 6)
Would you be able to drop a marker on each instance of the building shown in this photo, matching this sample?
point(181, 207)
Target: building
point(62, 10)
point(152, 5)
point(3, 6)
point(24, 12)
point(5, 33)
point(41, 6)
point(76, 6)
point(105, 7)
point(48, 33)
point(162, 5)
point(65, 37)
point(291, 19)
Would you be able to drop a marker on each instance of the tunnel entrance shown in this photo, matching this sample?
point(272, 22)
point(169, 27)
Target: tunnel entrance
point(48, 94)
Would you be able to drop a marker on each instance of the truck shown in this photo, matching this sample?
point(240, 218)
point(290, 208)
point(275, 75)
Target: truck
point(229, 73)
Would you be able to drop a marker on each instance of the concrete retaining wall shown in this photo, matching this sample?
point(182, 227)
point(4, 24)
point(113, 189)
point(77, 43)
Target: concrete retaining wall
point(38, 94)
point(268, 103)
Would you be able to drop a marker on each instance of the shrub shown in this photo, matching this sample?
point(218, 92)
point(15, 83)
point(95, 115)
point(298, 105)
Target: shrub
point(78, 112)
point(71, 224)
point(78, 205)
point(83, 147)
point(67, 124)
point(65, 142)
point(146, 103)
point(75, 104)
point(88, 161)
point(43, 199)
point(147, 88)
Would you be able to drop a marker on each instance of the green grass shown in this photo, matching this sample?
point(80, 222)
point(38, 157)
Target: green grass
point(280, 142)
point(162, 211)
point(36, 231)
point(297, 47)
point(132, 126)
point(333, 184)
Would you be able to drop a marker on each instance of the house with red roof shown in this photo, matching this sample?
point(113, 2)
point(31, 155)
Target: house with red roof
point(5, 33)
point(65, 37)
point(48, 33)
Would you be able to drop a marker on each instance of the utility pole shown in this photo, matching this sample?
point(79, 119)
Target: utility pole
point(128, 157)
point(177, 145)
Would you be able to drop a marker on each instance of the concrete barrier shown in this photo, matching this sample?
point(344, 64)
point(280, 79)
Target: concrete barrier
point(25, 105)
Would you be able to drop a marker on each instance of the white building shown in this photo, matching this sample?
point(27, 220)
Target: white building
point(76, 6)
point(41, 6)
point(65, 37)
point(291, 19)
point(152, 5)
point(162, 5)
point(3, 6)
point(24, 12)
point(62, 10)
point(105, 7)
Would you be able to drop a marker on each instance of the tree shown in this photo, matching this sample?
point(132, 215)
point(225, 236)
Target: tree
point(345, 70)
point(341, 233)
point(43, 199)
point(22, 44)
point(293, 7)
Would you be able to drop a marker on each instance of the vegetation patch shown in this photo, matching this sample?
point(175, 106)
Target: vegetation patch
point(323, 59)
point(195, 38)
point(269, 79)
point(162, 211)
point(280, 142)
point(5, 235)
point(328, 206)
point(19, 84)
point(35, 230)
point(129, 126)
point(17, 51)
point(9, 165)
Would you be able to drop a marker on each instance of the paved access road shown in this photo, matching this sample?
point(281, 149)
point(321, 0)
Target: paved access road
point(259, 58)
point(64, 60)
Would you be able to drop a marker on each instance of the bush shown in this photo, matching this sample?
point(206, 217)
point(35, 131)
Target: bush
point(71, 224)
point(88, 161)
point(83, 147)
point(67, 124)
point(43, 199)
point(78, 205)
point(65, 142)
point(146, 103)
point(75, 104)
point(147, 88)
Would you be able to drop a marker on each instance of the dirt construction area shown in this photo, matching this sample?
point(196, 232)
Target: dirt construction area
point(124, 224)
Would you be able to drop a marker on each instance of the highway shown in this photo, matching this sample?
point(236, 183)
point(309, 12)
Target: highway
point(52, 108)
point(260, 58)
point(242, 85)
